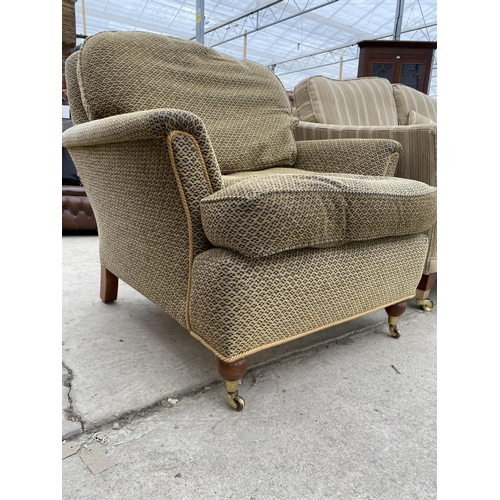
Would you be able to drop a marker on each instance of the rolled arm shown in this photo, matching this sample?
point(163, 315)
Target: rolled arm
point(134, 168)
point(349, 156)
point(144, 125)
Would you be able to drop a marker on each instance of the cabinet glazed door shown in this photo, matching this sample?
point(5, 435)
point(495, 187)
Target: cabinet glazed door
point(412, 74)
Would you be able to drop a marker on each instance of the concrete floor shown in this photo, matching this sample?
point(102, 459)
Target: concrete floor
point(345, 413)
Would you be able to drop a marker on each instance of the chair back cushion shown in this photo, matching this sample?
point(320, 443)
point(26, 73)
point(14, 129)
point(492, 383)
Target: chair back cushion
point(78, 113)
point(361, 101)
point(408, 99)
point(243, 104)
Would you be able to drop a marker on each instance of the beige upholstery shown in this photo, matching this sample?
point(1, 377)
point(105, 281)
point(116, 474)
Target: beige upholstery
point(374, 108)
point(365, 101)
point(314, 210)
point(158, 81)
point(169, 131)
point(409, 101)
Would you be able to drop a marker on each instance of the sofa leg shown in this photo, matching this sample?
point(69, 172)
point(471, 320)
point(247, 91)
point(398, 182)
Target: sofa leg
point(394, 312)
point(423, 290)
point(232, 373)
point(109, 285)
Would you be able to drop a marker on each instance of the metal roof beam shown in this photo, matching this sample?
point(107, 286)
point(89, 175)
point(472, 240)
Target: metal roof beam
point(318, 59)
point(104, 19)
point(242, 16)
point(398, 20)
point(259, 20)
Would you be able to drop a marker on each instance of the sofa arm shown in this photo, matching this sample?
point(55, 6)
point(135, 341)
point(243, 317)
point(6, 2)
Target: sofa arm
point(418, 159)
point(349, 156)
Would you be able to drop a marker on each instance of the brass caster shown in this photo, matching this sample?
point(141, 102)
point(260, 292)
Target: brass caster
point(234, 399)
point(426, 304)
point(394, 331)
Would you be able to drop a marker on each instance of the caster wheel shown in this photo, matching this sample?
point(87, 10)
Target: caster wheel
point(238, 403)
point(426, 304)
point(394, 331)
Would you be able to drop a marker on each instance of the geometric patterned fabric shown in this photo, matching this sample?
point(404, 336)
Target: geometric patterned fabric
point(240, 305)
point(78, 114)
point(147, 237)
point(240, 102)
point(418, 158)
point(268, 214)
point(146, 170)
point(365, 157)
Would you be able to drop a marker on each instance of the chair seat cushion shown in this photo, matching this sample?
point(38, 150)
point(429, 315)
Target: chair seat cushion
point(267, 214)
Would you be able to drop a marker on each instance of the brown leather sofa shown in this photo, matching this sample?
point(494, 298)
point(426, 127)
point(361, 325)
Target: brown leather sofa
point(77, 214)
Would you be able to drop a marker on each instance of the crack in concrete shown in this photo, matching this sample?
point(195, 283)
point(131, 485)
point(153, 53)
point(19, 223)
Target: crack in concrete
point(71, 413)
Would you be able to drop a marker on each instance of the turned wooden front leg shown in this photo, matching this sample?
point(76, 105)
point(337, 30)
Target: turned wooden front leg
point(394, 312)
point(232, 373)
point(109, 285)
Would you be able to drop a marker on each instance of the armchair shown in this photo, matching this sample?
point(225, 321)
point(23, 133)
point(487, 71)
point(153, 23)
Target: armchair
point(208, 207)
point(373, 108)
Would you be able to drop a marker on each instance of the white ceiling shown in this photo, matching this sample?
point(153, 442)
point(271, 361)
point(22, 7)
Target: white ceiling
point(300, 37)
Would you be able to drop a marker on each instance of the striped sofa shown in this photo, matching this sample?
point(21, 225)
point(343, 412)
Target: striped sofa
point(207, 205)
point(372, 108)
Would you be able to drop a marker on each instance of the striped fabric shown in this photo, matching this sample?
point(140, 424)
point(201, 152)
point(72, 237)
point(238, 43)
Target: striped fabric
point(419, 144)
point(408, 99)
point(415, 118)
point(362, 101)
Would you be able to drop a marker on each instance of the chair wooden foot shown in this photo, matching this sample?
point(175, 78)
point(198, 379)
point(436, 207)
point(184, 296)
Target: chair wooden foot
point(232, 373)
point(423, 290)
point(109, 286)
point(394, 312)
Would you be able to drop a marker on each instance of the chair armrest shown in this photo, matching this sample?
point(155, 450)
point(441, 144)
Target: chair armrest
point(418, 159)
point(349, 156)
point(144, 174)
point(146, 125)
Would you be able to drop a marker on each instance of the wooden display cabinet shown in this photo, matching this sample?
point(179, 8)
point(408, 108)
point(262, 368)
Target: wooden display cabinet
point(399, 61)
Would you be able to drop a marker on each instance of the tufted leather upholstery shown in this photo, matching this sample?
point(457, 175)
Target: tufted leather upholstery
point(77, 214)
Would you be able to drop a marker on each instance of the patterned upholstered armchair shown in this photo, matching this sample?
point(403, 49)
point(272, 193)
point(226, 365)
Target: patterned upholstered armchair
point(372, 108)
point(207, 206)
